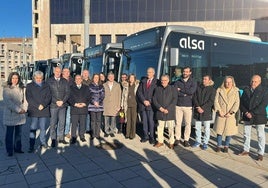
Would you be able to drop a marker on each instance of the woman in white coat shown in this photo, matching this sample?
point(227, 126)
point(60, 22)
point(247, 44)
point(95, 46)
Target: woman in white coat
point(226, 105)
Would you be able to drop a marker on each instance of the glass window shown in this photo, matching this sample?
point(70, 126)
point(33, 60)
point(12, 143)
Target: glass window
point(201, 15)
point(92, 40)
point(120, 38)
point(210, 15)
point(218, 14)
point(105, 38)
point(210, 4)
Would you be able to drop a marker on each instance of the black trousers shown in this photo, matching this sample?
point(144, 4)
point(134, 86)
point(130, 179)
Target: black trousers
point(78, 120)
point(95, 122)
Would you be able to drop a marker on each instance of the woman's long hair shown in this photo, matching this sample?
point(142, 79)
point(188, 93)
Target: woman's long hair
point(225, 78)
point(9, 80)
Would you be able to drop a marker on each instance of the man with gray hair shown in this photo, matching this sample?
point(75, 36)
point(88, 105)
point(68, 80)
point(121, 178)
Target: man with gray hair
point(253, 104)
point(39, 97)
point(111, 104)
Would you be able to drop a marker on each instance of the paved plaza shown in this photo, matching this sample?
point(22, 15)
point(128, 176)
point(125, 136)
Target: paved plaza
point(131, 164)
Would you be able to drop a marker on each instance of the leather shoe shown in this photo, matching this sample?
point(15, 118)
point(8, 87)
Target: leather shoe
point(244, 153)
point(18, 151)
point(186, 144)
point(158, 144)
point(218, 149)
point(112, 135)
point(177, 142)
point(260, 157)
point(83, 139)
point(225, 149)
point(152, 141)
point(144, 140)
point(63, 142)
point(171, 146)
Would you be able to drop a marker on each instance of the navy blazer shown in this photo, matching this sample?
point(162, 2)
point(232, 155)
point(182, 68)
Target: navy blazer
point(144, 93)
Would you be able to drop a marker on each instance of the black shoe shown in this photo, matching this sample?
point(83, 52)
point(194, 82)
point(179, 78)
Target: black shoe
point(177, 142)
point(144, 140)
point(88, 132)
point(73, 140)
point(83, 139)
point(152, 141)
point(106, 135)
point(10, 154)
point(112, 135)
point(225, 149)
point(44, 145)
point(186, 144)
point(63, 142)
point(18, 151)
point(31, 150)
point(53, 143)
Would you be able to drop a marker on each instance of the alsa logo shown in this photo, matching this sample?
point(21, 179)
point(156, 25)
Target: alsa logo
point(194, 44)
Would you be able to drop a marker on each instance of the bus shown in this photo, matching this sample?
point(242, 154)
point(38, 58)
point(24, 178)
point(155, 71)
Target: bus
point(52, 63)
point(206, 52)
point(72, 61)
point(103, 58)
point(25, 72)
point(41, 65)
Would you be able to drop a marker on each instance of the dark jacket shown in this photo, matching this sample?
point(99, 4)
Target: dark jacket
point(204, 97)
point(96, 94)
point(146, 94)
point(255, 103)
point(79, 96)
point(186, 92)
point(165, 98)
point(60, 90)
point(38, 95)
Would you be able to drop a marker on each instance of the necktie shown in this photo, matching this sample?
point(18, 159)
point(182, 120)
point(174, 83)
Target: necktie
point(148, 84)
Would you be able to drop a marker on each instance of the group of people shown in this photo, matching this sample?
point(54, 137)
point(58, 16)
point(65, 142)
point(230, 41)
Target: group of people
point(165, 103)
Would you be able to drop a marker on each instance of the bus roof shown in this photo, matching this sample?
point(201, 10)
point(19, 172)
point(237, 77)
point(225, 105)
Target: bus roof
point(232, 36)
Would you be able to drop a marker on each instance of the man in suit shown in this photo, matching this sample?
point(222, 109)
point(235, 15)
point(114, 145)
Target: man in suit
point(144, 99)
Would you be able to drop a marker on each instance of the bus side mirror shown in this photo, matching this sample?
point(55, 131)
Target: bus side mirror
point(174, 56)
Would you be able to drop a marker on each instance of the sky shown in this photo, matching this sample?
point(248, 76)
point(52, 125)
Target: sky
point(15, 18)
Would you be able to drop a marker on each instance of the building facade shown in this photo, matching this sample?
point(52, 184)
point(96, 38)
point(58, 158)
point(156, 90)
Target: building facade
point(59, 26)
point(14, 52)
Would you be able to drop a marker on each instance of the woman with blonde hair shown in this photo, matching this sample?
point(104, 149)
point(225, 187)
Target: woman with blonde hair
point(226, 104)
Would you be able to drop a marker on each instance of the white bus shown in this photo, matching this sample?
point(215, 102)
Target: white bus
point(72, 61)
point(103, 58)
point(206, 52)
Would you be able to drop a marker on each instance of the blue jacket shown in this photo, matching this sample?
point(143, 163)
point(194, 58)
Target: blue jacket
point(186, 92)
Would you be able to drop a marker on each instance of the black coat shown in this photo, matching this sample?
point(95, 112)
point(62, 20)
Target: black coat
point(60, 90)
point(204, 97)
point(79, 96)
point(36, 95)
point(165, 98)
point(146, 94)
point(255, 103)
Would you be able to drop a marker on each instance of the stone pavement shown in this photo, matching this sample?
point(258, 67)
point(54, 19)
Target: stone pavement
point(133, 165)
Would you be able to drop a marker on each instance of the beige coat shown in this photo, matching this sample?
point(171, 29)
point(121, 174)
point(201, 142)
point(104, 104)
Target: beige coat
point(112, 99)
point(225, 103)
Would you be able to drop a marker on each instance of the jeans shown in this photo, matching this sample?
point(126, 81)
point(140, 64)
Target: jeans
point(148, 123)
point(96, 118)
point(57, 123)
point(10, 138)
point(41, 121)
point(260, 134)
point(67, 121)
point(109, 124)
point(227, 140)
point(198, 131)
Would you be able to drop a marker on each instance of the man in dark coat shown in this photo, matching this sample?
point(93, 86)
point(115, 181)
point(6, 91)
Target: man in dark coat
point(39, 97)
point(144, 99)
point(253, 104)
point(203, 101)
point(60, 91)
point(79, 99)
point(164, 100)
